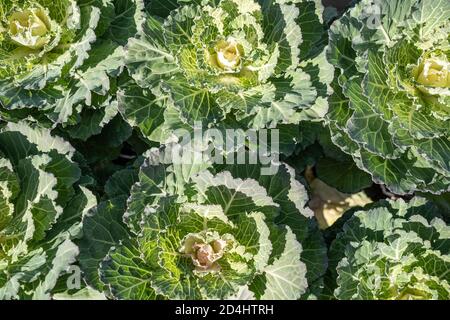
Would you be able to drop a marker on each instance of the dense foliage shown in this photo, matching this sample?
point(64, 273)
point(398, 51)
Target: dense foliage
point(60, 59)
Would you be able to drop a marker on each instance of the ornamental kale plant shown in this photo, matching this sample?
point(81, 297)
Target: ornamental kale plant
point(203, 232)
point(393, 250)
point(186, 149)
point(227, 64)
point(59, 58)
point(390, 110)
point(42, 199)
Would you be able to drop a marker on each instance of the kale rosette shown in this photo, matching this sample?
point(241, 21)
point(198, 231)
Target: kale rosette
point(228, 64)
point(179, 231)
point(59, 59)
point(393, 251)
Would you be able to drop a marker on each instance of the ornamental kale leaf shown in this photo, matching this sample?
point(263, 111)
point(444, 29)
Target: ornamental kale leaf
point(227, 64)
point(204, 232)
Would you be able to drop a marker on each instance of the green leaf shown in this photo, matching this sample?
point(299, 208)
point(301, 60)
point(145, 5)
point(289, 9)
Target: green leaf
point(251, 228)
